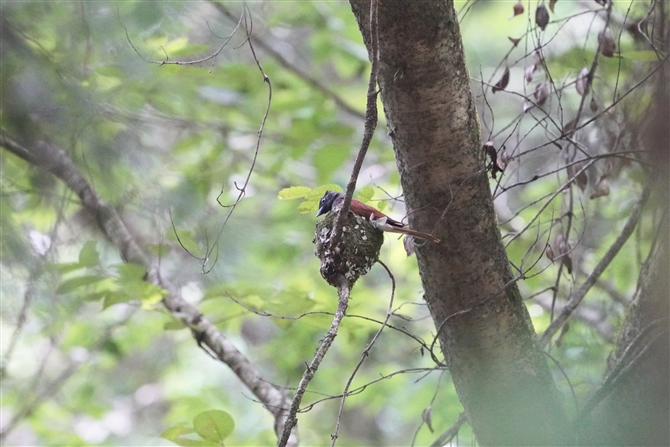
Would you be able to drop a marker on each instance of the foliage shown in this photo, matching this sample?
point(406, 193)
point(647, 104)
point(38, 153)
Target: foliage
point(89, 356)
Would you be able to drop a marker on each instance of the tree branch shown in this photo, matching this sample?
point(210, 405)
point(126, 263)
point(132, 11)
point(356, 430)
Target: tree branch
point(314, 82)
point(580, 293)
point(56, 161)
point(291, 421)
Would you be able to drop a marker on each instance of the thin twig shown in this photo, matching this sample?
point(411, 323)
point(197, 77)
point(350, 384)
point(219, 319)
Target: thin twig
point(344, 286)
point(451, 432)
point(580, 293)
point(192, 62)
point(624, 365)
point(311, 80)
point(371, 116)
point(291, 419)
point(364, 355)
point(55, 160)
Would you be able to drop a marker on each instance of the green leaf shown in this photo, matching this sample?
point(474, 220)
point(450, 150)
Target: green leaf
point(308, 207)
point(89, 256)
point(213, 425)
point(311, 202)
point(115, 298)
point(69, 285)
point(319, 191)
point(186, 240)
point(381, 205)
point(294, 192)
point(175, 45)
point(330, 157)
point(95, 296)
point(79, 333)
point(643, 56)
point(173, 433)
point(159, 249)
point(130, 272)
point(365, 194)
point(186, 442)
point(149, 294)
point(65, 267)
point(152, 295)
point(174, 325)
point(189, 50)
point(111, 71)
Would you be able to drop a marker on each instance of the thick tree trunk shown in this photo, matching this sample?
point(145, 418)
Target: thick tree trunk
point(500, 372)
point(633, 405)
point(634, 409)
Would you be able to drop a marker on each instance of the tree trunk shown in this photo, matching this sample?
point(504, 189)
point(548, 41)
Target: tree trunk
point(633, 406)
point(499, 371)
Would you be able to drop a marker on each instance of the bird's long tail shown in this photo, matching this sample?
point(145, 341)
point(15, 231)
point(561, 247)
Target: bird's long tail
point(410, 232)
point(385, 226)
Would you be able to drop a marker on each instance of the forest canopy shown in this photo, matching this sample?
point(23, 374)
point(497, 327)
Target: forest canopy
point(162, 163)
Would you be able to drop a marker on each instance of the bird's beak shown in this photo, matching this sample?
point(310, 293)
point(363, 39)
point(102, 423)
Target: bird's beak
point(320, 212)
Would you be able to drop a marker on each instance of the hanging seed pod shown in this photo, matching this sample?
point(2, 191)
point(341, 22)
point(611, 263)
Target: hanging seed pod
point(502, 82)
point(582, 83)
point(564, 250)
point(606, 44)
point(541, 93)
point(541, 16)
point(593, 104)
point(552, 3)
point(518, 10)
point(569, 127)
point(527, 105)
point(528, 73)
point(550, 253)
point(581, 179)
point(602, 189)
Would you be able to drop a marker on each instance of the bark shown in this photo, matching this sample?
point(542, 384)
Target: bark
point(486, 335)
point(632, 406)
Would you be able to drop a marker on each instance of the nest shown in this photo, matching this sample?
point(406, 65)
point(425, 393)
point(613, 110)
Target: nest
point(356, 252)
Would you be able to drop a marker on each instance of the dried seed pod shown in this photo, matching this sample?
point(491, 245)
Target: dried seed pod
point(427, 416)
point(514, 41)
point(528, 73)
point(496, 165)
point(502, 82)
point(541, 16)
point(602, 190)
point(541, 93)
point(569, 127)
point(581, 179)
point(564, 249)
point(593, 104)
point(550, 253)
point(606, 44)
point(518, 9)
point(552, 3)
point(582, 83)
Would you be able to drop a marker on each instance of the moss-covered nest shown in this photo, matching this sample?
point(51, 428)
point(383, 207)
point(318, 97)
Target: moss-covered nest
point(356, 253)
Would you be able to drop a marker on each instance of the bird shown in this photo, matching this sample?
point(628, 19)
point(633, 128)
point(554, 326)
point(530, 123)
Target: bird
point(332, 200)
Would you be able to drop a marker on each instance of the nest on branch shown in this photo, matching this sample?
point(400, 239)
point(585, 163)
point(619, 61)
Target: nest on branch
point(356, 252)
